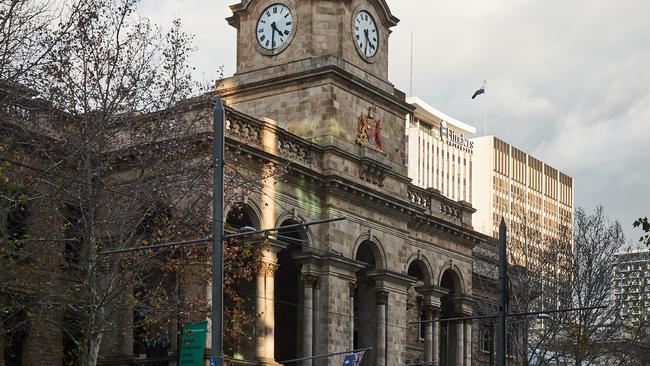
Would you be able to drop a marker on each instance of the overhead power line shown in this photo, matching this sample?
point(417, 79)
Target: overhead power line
point(226, 236)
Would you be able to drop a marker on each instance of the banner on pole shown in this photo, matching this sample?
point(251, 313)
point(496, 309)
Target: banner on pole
point(193, 344)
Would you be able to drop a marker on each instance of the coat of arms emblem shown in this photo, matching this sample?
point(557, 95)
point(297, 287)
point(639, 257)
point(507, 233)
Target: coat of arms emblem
point(370, 130)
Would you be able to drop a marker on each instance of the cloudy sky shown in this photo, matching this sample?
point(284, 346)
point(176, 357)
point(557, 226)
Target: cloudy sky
point(567, 81)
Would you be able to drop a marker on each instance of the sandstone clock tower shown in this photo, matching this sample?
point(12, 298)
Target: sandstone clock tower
point(314, 75)
point(319, 69)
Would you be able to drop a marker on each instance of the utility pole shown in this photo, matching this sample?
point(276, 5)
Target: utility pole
point(503, 298)
point(218, 142)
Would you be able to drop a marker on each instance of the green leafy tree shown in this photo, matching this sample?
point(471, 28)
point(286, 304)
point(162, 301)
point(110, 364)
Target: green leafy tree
point(643, 223)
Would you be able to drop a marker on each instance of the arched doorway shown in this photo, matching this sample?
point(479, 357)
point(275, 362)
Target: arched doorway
point(288, 309)
point(448, 331)
point(365, 302)
point(240, 311)
point(417, 340)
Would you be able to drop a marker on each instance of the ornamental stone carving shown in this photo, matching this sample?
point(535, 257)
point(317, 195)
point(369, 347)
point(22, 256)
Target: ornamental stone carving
point(267, 269)
point(243, 129)
point(309, 280)
point(372, 173)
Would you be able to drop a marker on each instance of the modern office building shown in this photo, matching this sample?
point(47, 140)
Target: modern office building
point(632, 284)
point(439, 155)
point(535, 199)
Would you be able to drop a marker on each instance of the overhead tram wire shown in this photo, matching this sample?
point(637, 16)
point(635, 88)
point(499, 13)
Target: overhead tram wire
point(227, 236)
point(261, 191)
point(99, 187)
point(299, 306)
point(478, 317)
point(109, 190)
point(193, 242)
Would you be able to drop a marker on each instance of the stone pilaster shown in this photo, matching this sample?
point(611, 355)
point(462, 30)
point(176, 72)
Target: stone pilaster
point(435, 360)
point(468, 343)
point(428, 334)
point(380, 345)
point(309, 282)
point(459, 354)
point(265, 344)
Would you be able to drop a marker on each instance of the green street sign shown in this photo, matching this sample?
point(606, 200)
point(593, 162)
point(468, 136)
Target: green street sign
point(193, 344)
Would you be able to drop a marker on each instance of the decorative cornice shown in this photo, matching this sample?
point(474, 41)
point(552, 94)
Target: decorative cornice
point(333, 70)
point(433, 294)
point(342, 262)
point(464, 304)
point(304, 157)
point(383, 278)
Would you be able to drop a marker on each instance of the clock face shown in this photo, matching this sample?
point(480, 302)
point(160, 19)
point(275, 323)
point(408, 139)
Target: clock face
point(366, 35)
point(275, 27)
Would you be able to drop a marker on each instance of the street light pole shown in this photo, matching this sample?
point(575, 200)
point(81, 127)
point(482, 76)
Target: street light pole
point(218, 142)
point(503, 298)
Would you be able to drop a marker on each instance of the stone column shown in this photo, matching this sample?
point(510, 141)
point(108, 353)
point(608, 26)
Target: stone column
point(265, 346)
point(460, 340)
point(382, 300)
point(468, 343)
point(309, 281)
point(436, 339)
point(428, 335)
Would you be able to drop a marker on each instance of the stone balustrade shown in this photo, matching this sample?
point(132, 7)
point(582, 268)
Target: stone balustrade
point(287, 146)
point(438, 205)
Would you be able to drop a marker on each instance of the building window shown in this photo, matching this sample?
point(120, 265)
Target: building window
point(485, 339)
point(422, 326)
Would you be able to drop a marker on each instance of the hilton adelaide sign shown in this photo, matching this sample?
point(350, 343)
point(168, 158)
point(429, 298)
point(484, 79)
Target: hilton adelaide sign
point(454, 139)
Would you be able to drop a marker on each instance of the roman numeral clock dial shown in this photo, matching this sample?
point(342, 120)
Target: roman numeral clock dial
point(366, 35)
point(275, 27)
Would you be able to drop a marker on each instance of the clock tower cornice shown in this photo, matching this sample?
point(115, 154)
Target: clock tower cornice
point(387, 18)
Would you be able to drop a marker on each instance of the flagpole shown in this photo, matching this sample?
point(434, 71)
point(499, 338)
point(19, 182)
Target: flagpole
point(484, 110)
point(327, 355)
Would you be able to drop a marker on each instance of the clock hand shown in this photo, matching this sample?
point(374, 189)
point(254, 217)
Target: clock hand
point(275, 28)
point(367, 40)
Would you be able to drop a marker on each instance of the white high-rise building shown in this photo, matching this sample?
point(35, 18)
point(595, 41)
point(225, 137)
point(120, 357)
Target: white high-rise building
point(438, 154)
point(632, 285)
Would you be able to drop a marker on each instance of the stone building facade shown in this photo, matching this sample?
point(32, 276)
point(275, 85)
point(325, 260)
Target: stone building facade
point(322, 106)
point(402, 250)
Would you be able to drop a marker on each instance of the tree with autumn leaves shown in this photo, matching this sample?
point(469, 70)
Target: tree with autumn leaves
point(106, 146)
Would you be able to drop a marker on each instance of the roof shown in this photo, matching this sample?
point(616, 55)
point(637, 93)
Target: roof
point(429, 111)
point(382, 7)
point(633, 256)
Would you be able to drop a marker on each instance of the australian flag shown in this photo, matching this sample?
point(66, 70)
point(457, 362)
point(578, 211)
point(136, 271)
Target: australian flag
point(480, 91)
point(353, 359)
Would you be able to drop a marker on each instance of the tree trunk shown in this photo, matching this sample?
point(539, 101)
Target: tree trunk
point(93, 349)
